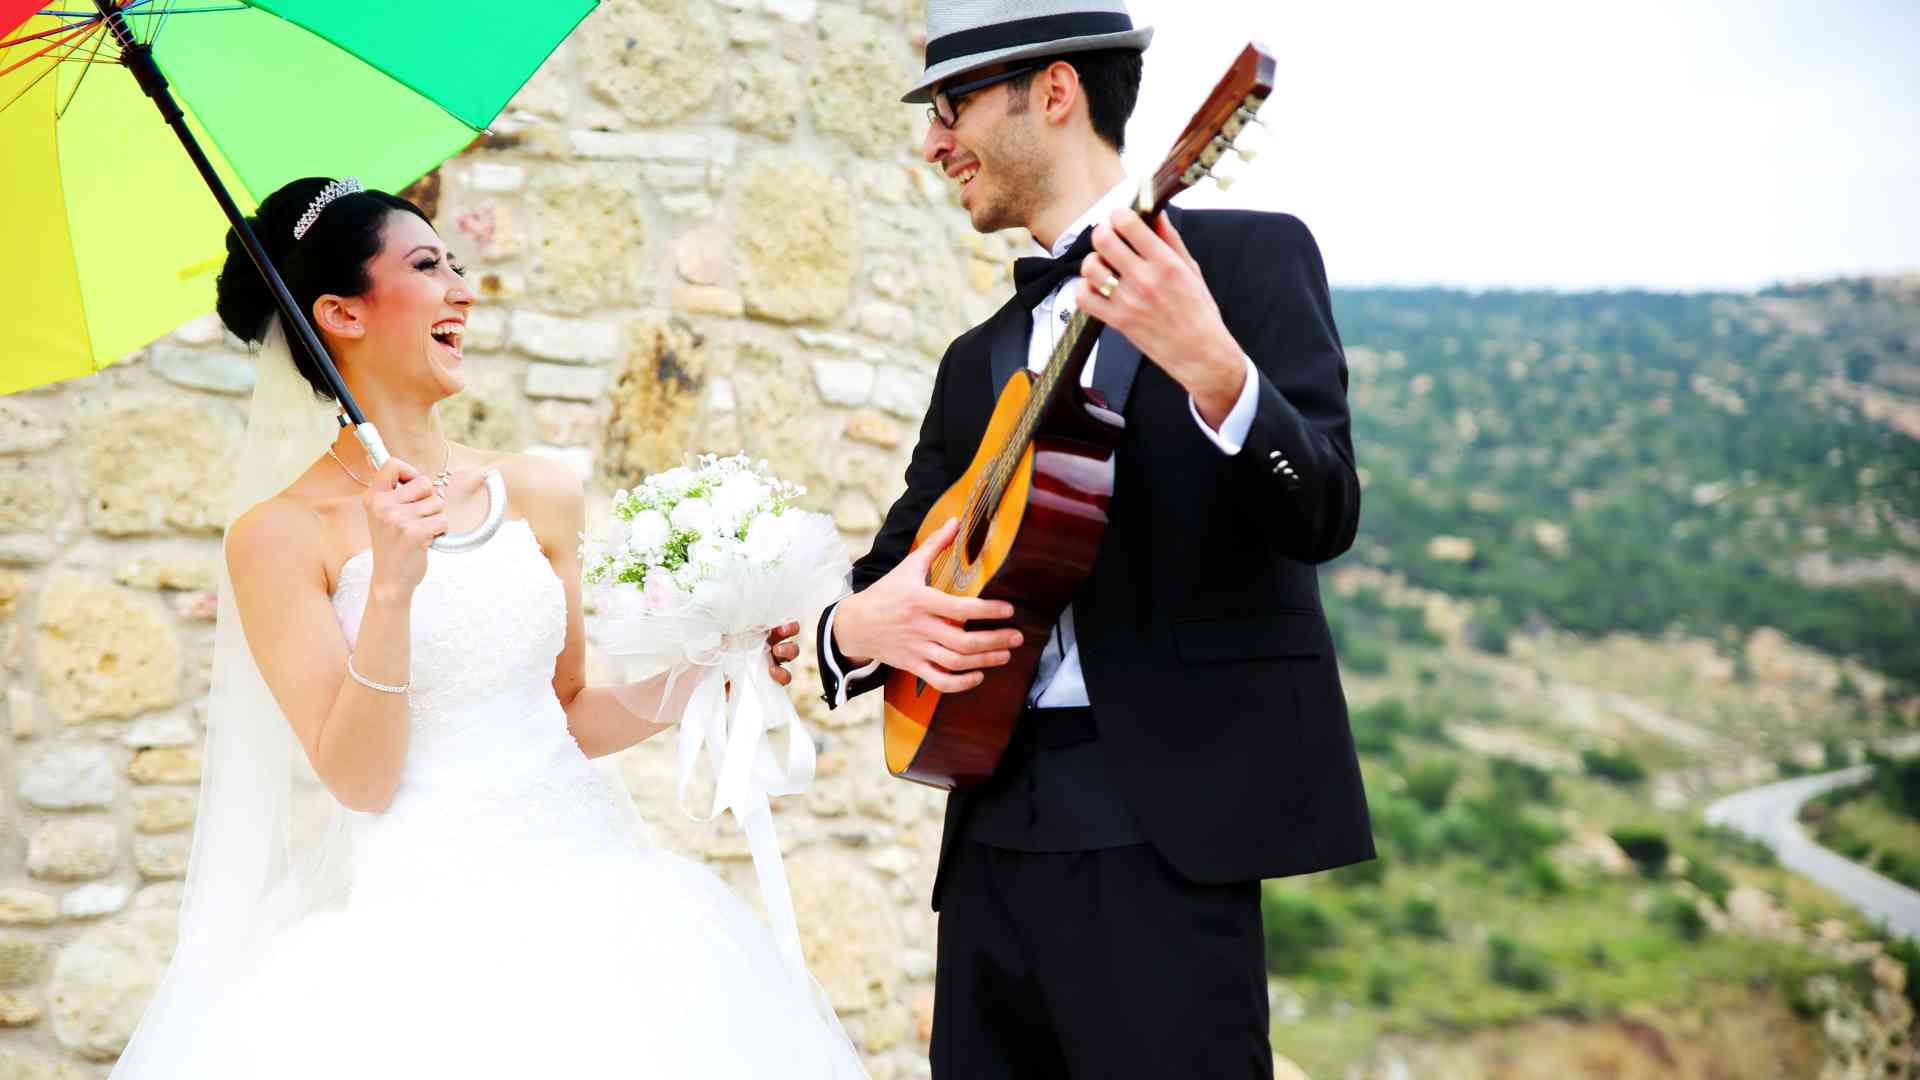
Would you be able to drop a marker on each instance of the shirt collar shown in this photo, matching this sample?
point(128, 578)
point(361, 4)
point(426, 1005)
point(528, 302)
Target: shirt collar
point(1121, 195)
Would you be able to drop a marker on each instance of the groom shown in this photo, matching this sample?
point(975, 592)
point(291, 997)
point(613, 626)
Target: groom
point(1186, 733)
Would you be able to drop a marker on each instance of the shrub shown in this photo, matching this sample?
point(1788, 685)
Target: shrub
point(1621, 767)
point(1516, 964)
point(1646, 845)
point(1294, 926)
point(1364, 656)
point(1907, 951)
point(1833, 755)
point(1522, 781)
point(1382, 983)
point(1501, 833)
point(1420, 916)
point(1431, 782)
point(1680, 915)
point(1401, 826)
point(1708, 878)
point(1899, 784)
point(1542, 875)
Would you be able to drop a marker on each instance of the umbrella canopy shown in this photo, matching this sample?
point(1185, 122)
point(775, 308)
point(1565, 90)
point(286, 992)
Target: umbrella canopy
point(110, 238)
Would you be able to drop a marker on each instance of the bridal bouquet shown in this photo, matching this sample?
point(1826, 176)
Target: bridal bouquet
point(696, 566)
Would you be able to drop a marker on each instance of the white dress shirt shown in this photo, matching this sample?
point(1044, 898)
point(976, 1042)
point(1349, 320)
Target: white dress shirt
point(1058, 681)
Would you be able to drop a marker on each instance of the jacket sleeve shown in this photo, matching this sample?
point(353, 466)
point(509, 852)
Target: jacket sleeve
point(1297, 463)
point(929, 473)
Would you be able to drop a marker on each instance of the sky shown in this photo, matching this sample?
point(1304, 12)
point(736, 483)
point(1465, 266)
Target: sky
point(1686, 145)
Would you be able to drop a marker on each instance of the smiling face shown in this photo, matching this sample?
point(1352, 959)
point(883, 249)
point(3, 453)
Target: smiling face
point(411, 321)
point(994, 152)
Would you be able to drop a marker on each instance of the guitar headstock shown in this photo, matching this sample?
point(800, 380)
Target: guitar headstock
point(1211, 134)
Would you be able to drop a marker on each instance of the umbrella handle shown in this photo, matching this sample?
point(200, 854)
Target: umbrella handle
point(496, 515)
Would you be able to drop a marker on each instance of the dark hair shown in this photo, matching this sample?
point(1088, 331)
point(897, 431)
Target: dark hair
point(1110, 78)
point(331, 258)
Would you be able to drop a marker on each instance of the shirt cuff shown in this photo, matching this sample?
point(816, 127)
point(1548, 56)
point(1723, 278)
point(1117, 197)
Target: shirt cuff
point(830, 656)
point(1233, 430)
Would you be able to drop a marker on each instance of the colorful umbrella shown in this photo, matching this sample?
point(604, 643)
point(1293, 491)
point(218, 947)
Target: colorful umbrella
point(109, 237)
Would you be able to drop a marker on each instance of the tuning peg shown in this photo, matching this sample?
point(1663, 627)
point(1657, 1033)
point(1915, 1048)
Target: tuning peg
point(1225, 180)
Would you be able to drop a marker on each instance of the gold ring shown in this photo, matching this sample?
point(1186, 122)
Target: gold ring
point(1106, 288)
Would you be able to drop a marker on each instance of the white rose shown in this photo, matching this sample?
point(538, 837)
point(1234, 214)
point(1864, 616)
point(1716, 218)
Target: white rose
point(647, 532)
point(737, 497)
point(694, 515)
point(768, 536)
point(674, 480)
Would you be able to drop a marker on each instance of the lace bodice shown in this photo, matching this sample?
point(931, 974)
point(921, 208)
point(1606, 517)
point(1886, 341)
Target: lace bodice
point(486, 627)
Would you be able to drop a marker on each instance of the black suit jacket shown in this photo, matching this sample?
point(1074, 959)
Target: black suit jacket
point(1207, 657)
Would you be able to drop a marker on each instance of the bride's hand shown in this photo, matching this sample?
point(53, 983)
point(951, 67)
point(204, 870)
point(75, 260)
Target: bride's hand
point(781, 648)
point(404, 514)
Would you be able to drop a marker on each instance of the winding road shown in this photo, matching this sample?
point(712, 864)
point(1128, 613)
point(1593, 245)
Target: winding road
point(1770, 814)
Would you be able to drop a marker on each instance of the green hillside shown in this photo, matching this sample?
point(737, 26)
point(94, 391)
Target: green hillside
point(1641, 462)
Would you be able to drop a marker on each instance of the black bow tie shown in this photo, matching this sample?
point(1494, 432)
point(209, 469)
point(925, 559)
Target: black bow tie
point(1035, 278)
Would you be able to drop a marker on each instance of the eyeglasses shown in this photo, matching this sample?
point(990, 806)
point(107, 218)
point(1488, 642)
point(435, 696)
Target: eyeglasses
point(944, 112)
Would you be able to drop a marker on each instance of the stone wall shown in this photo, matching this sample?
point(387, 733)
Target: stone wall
point(703, 226)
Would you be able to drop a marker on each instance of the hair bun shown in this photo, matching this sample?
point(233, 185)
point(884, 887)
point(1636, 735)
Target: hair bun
point(241, 296)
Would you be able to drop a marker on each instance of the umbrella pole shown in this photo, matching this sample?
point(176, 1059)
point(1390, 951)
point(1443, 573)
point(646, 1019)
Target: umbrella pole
point(138, 57)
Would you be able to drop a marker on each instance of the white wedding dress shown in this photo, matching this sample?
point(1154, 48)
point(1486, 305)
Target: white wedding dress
point(503, 920)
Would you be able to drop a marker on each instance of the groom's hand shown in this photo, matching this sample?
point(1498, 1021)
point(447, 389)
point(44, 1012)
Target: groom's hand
point(781, 648)
point(907, 624)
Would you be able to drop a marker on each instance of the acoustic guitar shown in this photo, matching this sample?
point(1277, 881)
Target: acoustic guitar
point(1033, 503)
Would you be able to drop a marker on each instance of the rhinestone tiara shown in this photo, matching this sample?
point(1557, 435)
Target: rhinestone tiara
point(346, 186)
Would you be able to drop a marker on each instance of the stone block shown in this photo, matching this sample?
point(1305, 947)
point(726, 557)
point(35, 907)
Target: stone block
point(565, 382)
point(161, 857)
point(496, 178)
point(72, 850)
point(147, 467)
point(849, 931)
point(855, 89)
point(23, 960)
point(215, 370)
point(70, 778)
point(104, 652)
point(654, 60)
point(166, 765)
point(95, 900)
point(656, 398)
point(29, 494)
point(24, 429)
point(178, 572)
point(578, 341)
point(17, 1010)
point(164, 809)
point(873, 428)
point(171, 728)
point(708, 300)
point(103, 980)
point(903, 392)
point(843, 382)
point(27, 907)
point(767, 98)
point(587, 245)
point(796, 251)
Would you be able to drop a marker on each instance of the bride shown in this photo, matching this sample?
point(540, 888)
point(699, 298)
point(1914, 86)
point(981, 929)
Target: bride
point(406, 865)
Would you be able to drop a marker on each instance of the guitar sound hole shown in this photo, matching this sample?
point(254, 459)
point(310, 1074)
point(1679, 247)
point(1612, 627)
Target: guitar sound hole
point(977, 538)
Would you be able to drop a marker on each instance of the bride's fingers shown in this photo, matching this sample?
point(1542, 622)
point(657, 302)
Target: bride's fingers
point(780, 675)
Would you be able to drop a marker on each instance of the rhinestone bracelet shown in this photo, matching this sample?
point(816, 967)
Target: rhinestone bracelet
point(371, 685)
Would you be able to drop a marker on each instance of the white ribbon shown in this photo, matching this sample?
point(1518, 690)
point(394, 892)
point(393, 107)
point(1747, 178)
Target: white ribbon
point(736, 731)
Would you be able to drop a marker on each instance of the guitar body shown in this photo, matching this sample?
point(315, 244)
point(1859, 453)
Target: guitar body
point(1033, 550)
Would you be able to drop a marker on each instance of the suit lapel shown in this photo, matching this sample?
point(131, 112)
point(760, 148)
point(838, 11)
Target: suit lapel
point(1114, 368)
point(1008, 348)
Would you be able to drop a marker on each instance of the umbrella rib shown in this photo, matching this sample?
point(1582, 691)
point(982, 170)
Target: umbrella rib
point(61, 113)
point(84, 28)
point(37, 35)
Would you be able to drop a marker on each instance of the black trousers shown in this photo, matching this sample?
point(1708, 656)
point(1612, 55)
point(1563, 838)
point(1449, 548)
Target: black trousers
point(1095, 964)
